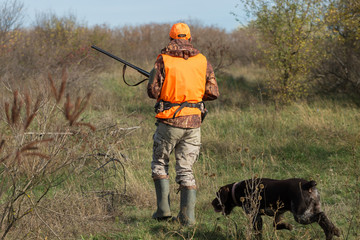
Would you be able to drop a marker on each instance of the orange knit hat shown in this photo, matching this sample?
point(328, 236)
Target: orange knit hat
point(180, 31)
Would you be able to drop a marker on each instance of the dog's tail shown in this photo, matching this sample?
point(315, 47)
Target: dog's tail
point(308, 185)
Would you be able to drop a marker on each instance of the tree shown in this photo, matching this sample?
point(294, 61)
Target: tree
point(10, 18)
point(289, 35)
point(341, 71)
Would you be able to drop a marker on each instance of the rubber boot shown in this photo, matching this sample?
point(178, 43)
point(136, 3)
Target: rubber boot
point(187, 207)
point(162, 199)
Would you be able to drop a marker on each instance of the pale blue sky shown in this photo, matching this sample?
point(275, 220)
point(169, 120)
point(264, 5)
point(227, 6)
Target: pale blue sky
point(121, 12)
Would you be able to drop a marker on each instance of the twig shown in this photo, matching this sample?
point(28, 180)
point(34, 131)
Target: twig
point(124, 129)
point(111, 159)
point(37, 214)
point(49, 133)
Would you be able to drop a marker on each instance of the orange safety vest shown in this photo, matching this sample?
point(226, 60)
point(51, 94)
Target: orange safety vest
point(184, 82)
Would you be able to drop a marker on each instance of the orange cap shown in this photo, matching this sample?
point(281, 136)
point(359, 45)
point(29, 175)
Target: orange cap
point(180, 31)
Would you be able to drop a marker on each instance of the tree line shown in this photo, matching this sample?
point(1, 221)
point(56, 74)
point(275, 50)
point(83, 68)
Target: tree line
point(306, 46)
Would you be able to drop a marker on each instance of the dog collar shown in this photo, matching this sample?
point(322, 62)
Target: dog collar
point(233, 193)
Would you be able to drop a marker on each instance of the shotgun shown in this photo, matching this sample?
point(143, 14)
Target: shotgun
point(142, 71)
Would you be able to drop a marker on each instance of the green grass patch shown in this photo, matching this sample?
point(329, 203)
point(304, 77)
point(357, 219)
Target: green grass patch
point(244, 136)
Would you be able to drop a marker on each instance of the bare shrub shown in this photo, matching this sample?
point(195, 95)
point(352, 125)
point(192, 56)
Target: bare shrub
point(54, 42)
point(50, 45)
point(141, 43)
point(10, 22)
point(10, 18)
point(76, 216)
point(212, 42)
point(242, 42)
point(340, 71)
point(33, 163)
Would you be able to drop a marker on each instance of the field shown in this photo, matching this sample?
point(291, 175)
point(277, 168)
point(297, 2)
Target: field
point(243, 136)
point(76, 142)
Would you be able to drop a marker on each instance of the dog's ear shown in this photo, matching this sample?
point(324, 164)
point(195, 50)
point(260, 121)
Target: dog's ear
point(224, 193)
point(308, 186)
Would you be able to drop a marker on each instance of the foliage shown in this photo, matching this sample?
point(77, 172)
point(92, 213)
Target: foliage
point(343, 18)
point(289, 36)
point(340, 72)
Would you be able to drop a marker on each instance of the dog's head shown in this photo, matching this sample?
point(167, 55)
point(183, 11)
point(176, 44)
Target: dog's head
point(311, 195)
point(223, 202)
point(309, 185)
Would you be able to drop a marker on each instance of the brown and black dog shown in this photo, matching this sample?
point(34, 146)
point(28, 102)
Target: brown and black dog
point(274, 198)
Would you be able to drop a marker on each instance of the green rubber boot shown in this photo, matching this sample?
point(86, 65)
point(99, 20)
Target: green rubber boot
point(187, 207)
point(163, 200)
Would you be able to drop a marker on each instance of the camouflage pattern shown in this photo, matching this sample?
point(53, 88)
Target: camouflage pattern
point(181, 48)
point(186, 143)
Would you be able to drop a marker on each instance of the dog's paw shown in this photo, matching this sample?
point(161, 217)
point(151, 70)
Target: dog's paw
point(336, 231)
point(281, 226)
point(333, 232)
point(290, 227)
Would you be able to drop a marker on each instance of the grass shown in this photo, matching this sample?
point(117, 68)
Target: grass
point(242, 136)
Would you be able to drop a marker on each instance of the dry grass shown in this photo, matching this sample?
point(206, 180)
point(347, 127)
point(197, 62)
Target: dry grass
point(38, 154)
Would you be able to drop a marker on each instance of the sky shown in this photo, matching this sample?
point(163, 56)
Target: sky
point(118, 13)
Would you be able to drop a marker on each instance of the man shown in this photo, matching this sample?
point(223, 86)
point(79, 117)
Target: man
point(180, 81)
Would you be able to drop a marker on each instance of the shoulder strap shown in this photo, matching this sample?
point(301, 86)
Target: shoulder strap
point(131, 85)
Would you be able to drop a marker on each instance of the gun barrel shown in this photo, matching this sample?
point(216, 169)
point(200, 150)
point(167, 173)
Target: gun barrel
point(142, 71)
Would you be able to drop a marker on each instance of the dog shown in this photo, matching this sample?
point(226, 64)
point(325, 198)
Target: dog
point(265, 196)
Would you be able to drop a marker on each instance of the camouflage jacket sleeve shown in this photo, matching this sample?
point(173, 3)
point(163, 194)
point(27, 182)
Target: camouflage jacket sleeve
point(156, 79)
point(211, 86)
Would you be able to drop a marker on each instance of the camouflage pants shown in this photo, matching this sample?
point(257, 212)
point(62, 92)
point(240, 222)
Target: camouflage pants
point(185, 142)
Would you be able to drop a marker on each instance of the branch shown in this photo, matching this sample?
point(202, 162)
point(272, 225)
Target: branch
point(49, 133)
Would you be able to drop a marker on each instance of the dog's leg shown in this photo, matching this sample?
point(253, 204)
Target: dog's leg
point(329, 228)
point(278, 224)
point(257, 226)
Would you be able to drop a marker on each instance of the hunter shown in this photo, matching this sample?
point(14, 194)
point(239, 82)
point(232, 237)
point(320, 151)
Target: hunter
point(181, 80)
